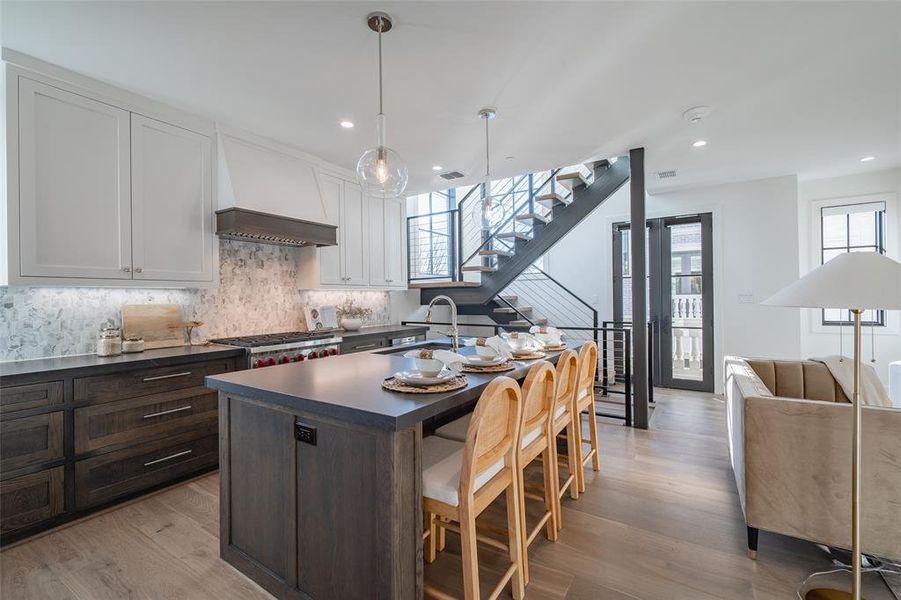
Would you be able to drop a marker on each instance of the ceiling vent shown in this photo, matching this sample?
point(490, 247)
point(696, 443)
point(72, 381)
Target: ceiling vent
point(451, 175)
point(666, 174)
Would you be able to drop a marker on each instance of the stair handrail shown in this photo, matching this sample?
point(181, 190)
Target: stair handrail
point(512, 216)
point(516, 310)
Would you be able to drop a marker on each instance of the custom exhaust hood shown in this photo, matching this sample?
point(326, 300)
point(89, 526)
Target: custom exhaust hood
point(270, 194)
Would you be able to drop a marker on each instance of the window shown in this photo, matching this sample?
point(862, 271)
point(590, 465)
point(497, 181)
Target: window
point(852, 228)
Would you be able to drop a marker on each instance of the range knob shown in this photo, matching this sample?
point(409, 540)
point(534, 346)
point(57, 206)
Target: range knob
point(312, 355)
point(259, 363)
point(333, 351)
point(284, 359)
point(271, 361)
point(299, 358)
point(323, 353)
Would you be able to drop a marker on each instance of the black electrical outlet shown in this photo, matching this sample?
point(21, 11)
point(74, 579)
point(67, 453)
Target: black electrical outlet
point(305, 433)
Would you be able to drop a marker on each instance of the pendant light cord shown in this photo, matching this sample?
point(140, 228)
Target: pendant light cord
point(380, 66)
point(487, 155)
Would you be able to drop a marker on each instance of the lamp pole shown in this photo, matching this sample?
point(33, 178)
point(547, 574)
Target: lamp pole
point(855, 465)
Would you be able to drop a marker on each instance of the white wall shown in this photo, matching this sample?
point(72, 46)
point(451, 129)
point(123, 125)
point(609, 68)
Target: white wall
point(755, 254)
point(817, 340)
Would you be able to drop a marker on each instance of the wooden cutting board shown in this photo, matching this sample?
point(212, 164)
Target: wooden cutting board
point(159, 324)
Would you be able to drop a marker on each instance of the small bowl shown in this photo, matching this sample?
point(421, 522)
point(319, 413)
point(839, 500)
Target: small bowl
point(429, 367)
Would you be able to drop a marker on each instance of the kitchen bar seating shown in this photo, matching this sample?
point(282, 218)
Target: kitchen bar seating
point(460, 480)
point(584, 402)
point(564, 422)
point(536, 441)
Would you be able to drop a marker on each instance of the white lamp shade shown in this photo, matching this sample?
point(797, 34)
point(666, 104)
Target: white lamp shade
point(854, 280)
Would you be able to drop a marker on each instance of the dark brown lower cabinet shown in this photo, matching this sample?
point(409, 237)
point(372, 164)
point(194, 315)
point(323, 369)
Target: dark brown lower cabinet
point(315, 508)
point(30, 499)
point(31, 440)
point(77, 440)
point(110, 476)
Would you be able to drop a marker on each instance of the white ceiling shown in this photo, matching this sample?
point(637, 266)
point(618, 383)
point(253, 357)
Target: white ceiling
point(804, 87)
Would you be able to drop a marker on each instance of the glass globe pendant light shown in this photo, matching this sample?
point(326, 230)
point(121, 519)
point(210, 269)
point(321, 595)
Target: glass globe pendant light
point(381, 171)
point(491, 213)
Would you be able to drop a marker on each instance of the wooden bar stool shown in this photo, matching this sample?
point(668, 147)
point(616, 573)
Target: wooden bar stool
point(564, 422)
point(538, 398)
point(584, 401)
point(459, 481)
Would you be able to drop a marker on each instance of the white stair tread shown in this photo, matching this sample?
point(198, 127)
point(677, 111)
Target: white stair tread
point(541, 321)
point(513, 310)
point(554, 198)
point(495, 253)
point(570, 180)
point(479, 269)
point(514, 234)
point(533, 217)
point(509, 298)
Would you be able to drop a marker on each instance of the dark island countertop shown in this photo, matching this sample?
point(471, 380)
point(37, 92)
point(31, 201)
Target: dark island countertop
point(98, 364)
point(394, 331)
point(349, 387)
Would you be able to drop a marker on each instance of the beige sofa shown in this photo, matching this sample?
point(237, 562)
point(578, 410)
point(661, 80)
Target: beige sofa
point(789, 427)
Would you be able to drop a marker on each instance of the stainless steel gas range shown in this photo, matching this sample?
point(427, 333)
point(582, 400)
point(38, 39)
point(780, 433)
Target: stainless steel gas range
point(272, 349)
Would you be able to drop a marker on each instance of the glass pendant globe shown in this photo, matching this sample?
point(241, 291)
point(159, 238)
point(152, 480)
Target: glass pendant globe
point(382, 173)
point(492, 214)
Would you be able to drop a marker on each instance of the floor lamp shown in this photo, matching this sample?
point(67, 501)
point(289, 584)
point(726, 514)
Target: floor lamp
point(857, 281)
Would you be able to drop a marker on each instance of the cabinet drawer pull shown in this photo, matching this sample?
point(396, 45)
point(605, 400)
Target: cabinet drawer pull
point(165, 458)
point(373, 345)
point(158, 377)
point(139, 269)
point(126, 269)
point(167, 412)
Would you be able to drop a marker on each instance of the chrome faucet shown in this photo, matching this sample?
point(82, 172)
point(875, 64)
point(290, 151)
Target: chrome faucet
point(454, 332)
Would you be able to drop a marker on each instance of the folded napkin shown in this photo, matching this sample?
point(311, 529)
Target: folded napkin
point(451, 360)
point(496, 343)
point(552, 335)
point(527, 341)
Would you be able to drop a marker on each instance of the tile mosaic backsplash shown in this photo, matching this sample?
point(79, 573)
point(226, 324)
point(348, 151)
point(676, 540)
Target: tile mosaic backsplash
point(257, 293)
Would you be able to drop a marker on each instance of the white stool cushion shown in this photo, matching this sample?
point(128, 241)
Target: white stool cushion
point(442, 461)
point(455, 430)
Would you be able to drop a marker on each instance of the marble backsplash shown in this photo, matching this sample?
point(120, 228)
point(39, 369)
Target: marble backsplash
point(257, 293)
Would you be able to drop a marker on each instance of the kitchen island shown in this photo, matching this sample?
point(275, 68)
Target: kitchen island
point(320, 474)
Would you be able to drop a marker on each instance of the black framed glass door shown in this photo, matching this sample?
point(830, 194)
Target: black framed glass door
point(680, 297)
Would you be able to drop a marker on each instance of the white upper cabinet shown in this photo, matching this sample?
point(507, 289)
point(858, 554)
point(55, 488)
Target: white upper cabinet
point(331, 268)
point(101, 191)
point(354, 236)
point(387, 247)
point(395, 251)
point(74, 196)
point(172, 200)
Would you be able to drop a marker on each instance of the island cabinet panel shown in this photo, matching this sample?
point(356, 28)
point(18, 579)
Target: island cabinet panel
point(142, 382)
point(30, 441)
point(30, 499)
point(124, 472)
point(315, 508)
point(26, 397)
point(125, 422)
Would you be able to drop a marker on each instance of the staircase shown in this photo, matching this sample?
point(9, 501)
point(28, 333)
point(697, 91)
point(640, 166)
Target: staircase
point(495, 271)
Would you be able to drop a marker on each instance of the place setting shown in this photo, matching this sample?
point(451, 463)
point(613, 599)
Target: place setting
point(492, 355)
point(551, 338)
point(434, 371)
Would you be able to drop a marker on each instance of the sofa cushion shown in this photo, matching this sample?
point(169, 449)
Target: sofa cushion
point(805, 379)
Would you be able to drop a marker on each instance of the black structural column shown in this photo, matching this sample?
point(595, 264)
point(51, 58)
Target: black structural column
point(638, 235)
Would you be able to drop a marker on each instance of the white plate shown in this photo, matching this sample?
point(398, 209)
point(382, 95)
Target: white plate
point(416, 378)
point(479, 361)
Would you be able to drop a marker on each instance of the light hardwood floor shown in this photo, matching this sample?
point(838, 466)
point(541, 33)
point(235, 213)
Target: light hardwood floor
point(660, 521)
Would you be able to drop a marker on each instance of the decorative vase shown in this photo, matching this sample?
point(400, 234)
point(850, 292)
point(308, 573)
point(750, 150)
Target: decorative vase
point(351, 324)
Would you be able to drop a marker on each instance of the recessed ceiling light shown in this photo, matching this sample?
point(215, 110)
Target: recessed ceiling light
point(700, 143)
point(867, 158)
point(347, 124)
point(437, 167)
